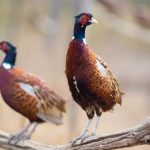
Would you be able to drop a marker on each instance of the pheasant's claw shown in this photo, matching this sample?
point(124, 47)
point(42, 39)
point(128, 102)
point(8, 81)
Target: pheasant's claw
point(18, 137)
point(79, 139)
point(88, 136)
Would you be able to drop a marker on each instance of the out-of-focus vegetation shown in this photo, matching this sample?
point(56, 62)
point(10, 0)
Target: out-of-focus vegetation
point(41, 30)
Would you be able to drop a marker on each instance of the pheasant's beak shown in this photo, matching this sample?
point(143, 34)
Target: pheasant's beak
point(93, 21)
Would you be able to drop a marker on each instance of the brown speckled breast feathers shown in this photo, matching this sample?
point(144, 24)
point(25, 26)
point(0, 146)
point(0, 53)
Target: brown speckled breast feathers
point(90, 80)
point(30, 96)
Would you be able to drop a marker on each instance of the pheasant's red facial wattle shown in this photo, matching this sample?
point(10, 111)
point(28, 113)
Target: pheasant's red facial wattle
point(4, 47)
point(84, 19)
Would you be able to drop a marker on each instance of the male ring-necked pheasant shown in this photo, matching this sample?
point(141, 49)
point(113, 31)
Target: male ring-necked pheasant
point(28, 94)
point(91, 82)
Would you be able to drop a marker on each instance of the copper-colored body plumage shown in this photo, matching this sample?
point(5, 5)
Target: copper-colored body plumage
point(95, 90)
point(40, 99)
point(28, 94)
point(91, 82)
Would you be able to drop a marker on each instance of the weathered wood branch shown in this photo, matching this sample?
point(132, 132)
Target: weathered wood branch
point(139, 135)
point(128, 28)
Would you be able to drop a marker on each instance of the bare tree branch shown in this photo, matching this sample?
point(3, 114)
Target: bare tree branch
point(124, 27)
point(129, 29)
point(139, 135)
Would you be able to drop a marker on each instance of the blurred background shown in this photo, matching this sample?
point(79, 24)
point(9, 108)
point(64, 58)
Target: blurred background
point(42, 30)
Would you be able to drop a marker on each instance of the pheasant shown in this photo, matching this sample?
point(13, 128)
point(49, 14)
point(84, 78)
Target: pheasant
point(28, 94)
point(90, 80)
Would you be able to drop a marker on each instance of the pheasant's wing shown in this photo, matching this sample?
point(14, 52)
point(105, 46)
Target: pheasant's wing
point(50, 105)
point(104, 70)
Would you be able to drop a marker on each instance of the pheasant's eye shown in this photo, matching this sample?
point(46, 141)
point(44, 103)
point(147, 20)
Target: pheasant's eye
point(83, 17)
